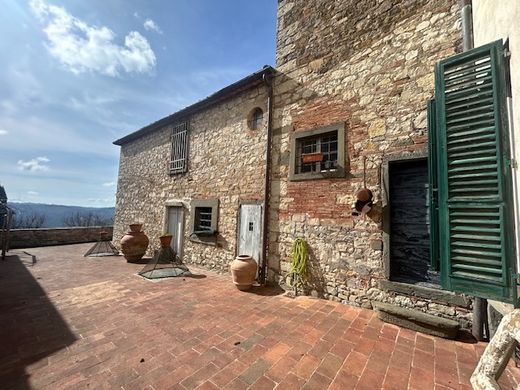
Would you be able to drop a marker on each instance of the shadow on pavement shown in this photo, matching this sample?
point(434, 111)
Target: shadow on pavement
point(32, 328)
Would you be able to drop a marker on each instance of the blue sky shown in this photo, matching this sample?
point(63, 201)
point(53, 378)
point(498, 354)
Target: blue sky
point(76, 75)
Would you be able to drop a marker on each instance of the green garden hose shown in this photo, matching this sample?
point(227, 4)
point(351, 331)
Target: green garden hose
point(298, 272)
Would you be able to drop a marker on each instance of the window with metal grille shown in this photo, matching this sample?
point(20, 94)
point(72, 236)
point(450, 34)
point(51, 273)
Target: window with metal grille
point(318, 153)
point(179, 149)
point(203, 219)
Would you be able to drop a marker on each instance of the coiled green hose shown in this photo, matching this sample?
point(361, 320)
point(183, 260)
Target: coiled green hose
point(298, 272)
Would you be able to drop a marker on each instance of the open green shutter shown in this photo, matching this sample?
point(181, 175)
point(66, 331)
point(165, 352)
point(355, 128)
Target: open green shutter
point(475, 208)
point(433, 193)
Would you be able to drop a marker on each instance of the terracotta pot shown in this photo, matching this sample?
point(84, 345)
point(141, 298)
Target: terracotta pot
point(243, 271)
point(166, 240)
point(364, 195)
point(135, 227)
point(134, 243)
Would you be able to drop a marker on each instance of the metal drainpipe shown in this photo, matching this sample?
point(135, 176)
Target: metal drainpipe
point(262, 276)
point(479, 304)
point(467, 26)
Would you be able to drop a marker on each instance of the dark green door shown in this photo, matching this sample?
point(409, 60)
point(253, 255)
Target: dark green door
point(470, 175)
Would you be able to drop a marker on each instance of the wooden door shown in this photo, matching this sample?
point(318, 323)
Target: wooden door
point(176, 228)
point(250, 231)
point(409, 236)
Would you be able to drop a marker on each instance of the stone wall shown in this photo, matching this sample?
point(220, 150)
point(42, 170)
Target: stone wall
point(368, 64)
point(226, 162)
point(498, 20)
point(31, 238)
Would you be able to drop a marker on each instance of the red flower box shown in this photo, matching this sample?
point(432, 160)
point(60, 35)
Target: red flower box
point(312, 157)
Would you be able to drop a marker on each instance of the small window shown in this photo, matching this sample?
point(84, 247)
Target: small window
point(318, 153)
point(255, 118)
point(204, 221)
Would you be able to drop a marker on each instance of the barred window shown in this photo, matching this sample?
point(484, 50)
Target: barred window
point(179, 149)
point(203, 218)
point(204, 221)
point(318, 153)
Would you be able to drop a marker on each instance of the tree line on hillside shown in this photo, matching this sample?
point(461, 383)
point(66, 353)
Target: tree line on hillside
point(35, 220)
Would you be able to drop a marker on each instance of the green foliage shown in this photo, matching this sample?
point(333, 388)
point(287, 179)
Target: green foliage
point(86, 219)
point(298, 273)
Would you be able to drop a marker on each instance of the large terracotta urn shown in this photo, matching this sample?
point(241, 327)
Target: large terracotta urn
point(243, 271)
point(134, 243)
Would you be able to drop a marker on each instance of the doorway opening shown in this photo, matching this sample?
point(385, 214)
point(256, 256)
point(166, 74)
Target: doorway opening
point(250, 231)
point(409, 224)
point(175, 226)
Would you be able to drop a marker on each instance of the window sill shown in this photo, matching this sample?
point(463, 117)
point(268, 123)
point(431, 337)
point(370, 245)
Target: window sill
point(337, 173)
point(176, 173)
point(205, 240)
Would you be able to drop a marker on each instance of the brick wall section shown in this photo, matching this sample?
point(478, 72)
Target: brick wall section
point(32, 238)
point(370, 65)
point(226, 162)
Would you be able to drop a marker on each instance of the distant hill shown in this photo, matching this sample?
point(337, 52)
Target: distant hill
point(56, 214)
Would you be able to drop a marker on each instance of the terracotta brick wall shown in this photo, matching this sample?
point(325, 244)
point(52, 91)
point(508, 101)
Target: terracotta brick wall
point(368, 64)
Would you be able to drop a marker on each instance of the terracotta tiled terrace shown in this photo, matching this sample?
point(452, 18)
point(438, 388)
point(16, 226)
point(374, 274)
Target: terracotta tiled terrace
point(74, 322)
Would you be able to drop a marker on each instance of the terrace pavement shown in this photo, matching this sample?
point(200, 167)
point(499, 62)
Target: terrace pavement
point(74, 322)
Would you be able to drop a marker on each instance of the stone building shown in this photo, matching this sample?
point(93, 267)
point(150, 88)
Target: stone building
point(366, 69)
point(192, 172)
point(348, 112)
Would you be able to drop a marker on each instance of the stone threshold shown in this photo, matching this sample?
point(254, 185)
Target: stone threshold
point(428, 293)
point(417, 320)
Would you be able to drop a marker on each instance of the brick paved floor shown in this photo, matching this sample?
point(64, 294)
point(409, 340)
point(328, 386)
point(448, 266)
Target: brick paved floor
point(74, 322)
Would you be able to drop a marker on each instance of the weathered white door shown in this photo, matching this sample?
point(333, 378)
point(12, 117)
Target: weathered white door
point(250, 231)
point(176, 228)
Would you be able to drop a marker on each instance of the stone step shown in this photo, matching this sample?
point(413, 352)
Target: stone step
point(416, 320)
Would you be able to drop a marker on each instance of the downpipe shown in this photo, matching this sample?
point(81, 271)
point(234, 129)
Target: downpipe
point(262, 275)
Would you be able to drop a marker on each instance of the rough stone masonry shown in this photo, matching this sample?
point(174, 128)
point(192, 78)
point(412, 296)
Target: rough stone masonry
point(226, 161)
point(367, 64)
point(370, 65)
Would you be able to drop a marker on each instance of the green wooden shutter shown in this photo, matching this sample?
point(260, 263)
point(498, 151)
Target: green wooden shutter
point(475, 207)
point(433, 193)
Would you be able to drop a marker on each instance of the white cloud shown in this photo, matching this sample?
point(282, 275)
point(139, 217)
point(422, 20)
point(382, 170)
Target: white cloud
point(150, 25)
point(109, 184)
point(81, 47)
point(3, 132)
point(33, 193)
point(34, 165)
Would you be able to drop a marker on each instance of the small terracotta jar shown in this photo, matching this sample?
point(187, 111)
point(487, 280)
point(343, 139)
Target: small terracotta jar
point(166, 240)
point(134, 243)
point(243, 271)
